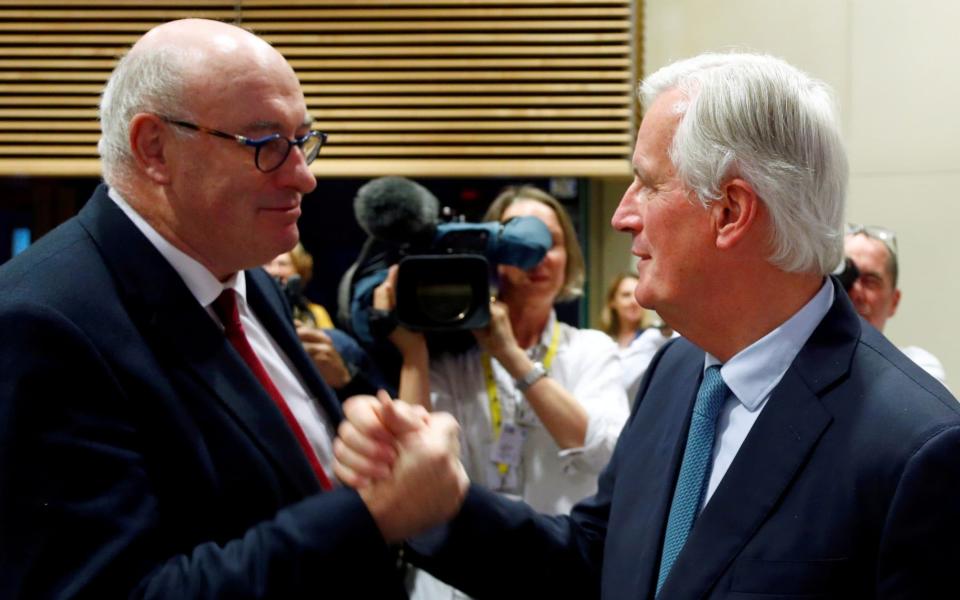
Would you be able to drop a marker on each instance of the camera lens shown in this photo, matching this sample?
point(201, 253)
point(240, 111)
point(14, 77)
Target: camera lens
point(443, 292)
point(444, 303)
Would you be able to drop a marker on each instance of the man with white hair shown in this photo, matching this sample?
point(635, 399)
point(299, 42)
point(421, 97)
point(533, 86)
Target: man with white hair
point(163, 434)
point(769, 454)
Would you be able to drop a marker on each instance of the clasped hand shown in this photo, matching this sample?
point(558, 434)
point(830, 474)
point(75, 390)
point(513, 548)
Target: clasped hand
point(403, 461)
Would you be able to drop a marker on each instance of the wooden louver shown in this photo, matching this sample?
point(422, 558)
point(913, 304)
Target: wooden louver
point(420, 88)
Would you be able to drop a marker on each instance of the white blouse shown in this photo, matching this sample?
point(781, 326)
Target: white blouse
point(551, 480)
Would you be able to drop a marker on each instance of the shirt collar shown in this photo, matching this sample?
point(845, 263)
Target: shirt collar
point(546, 336)
point(754, 371)
point(201, 282)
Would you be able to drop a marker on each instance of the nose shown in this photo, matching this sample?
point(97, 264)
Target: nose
point(627, 216)
point(295, 172)
point(856, 293)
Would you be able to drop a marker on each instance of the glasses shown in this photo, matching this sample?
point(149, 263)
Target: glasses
point(270, 151)
point(887, 236)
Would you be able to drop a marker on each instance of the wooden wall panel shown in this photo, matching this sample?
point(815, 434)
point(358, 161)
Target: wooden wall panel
point(420, 88)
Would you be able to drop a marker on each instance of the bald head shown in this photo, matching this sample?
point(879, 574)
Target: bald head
point(216, 52)
point(181, 68)
point(199, 33)
point(185, 116)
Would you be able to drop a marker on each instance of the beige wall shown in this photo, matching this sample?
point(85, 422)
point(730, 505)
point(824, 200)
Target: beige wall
point(894, 67)
point(611, 250)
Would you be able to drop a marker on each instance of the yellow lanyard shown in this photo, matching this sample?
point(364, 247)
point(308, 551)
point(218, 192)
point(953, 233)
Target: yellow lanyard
point(496, 415)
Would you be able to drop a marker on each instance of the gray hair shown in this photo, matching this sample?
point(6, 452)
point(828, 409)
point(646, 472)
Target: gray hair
point(759, 118)
point(141, 82)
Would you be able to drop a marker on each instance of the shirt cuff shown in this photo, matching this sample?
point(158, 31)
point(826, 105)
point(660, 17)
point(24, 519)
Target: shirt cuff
point(596, 451)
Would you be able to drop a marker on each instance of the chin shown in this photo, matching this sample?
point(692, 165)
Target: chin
point(645, 300)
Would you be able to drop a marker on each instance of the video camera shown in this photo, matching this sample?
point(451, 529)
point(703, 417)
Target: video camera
point(445, 270)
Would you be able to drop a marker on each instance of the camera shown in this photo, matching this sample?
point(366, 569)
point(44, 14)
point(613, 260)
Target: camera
point(847, 272)
point(445, 270)
point(449, 288)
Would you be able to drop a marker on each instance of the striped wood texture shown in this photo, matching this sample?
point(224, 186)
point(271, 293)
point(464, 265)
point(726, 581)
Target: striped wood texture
point(404, 87)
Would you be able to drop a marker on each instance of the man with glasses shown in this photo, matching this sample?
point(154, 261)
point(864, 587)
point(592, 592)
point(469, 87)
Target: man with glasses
point(874, 293)
point(162, 431)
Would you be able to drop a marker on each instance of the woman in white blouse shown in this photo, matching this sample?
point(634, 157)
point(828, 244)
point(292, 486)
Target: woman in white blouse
point(540, 403)
point(638, 340)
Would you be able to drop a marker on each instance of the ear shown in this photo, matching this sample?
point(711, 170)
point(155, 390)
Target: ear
point(735, 213)
point(148, 138)
point(894, 303)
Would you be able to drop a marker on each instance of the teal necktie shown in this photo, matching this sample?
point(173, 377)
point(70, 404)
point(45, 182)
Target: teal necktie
point(694, 470)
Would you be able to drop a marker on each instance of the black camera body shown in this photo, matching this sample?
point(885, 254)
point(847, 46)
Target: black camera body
point(847, 272)
point(446, 270)
point(446, 285)
point(443, 292)
point(449, 288)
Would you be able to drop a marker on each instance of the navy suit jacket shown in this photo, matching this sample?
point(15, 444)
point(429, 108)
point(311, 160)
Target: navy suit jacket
point(847, 486)
point(139, 456)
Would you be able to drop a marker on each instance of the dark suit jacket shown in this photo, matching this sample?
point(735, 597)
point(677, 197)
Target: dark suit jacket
point(847, 486)
point(139, 456)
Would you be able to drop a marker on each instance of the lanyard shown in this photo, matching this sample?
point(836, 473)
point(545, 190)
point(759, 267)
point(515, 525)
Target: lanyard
point(496, 414)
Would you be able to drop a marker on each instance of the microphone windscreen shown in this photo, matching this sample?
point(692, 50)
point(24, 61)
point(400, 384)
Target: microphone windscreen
point(396, 210)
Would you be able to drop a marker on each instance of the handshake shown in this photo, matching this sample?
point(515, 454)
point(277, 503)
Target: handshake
point(403, 461)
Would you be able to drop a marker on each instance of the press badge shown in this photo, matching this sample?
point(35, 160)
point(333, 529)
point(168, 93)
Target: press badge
point(509, 447)
point(504, 483)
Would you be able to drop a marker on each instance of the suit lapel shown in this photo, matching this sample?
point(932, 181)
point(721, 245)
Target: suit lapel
point(266, 301)
point(669, 438)
point(648, 460)
point(771, 457)
point(185, 338)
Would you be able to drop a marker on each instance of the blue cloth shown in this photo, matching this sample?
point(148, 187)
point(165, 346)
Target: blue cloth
point(358, 361)
point(362, 304)
point(694, 470)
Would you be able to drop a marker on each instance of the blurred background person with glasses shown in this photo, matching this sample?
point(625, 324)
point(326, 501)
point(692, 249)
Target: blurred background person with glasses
point(874, 292)
point(163, 432)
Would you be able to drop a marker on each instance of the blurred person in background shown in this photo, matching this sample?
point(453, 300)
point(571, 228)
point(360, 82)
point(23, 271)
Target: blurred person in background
point(293, 270)
point(637, 335)
point(874, 292)
point(342, 362)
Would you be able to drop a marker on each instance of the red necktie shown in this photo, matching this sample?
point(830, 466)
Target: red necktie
point(226, 308)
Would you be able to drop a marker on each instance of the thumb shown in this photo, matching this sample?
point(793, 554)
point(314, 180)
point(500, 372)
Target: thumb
point(399, 417)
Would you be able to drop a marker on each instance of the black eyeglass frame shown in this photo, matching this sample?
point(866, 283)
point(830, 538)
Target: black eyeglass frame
point(258, 143)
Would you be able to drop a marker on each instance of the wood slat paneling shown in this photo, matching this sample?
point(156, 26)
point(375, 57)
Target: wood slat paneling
point(409, 87)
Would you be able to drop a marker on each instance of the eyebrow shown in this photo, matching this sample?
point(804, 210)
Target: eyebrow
point(274, 126)
point(641, 174)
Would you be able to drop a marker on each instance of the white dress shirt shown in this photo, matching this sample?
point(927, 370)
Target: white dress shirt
point(753, 373)
point(636, 357)
point(206, 288)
